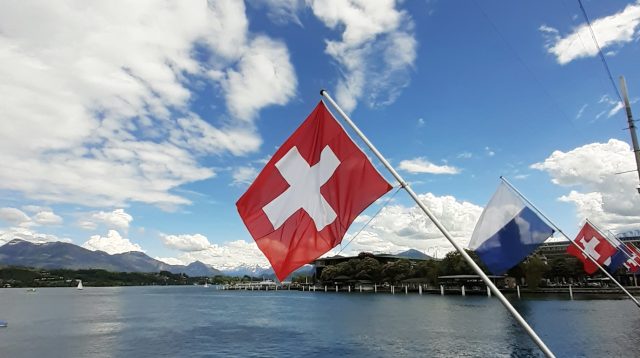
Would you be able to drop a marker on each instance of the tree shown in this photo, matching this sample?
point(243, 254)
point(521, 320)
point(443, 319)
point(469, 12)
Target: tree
point(368, 268)
point(397, 270)
point(427, 269)
point(328, 273)
point(534, 270)
point(454, 264)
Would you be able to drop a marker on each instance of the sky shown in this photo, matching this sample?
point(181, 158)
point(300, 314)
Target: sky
point(136, 126)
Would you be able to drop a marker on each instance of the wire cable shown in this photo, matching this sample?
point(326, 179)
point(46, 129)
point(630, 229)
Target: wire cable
point(371, 219)
point(602, 58)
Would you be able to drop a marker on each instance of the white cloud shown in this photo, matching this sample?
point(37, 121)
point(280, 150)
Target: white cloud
point(228, 256)
point(421, 165)
point(264, 77)
point(398, 228)
point(489, 151)
point(47, 218)
point(606, 198)
point(96, 99)
point(281, 11)
point(376, 52)
point(244, 175)
point(465, 155)
point(25, 234)
point(581, 111)
point(615, 106)
point(186, 242)
point(116, 219)
point(113, 243)
point(617, 29)
point(15, 217)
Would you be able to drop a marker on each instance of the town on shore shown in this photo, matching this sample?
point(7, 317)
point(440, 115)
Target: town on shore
point(365, 272)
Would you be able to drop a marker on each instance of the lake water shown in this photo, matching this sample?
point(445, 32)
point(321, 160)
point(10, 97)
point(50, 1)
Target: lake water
point(201, 322)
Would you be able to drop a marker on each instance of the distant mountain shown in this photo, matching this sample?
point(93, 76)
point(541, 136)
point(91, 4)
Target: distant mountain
point(69, 256)
point(249, 270)
point(414, 254)
point(266, 273)
point(199, 269)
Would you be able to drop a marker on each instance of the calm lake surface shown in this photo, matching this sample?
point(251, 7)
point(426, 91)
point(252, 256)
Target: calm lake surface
point(202, 322)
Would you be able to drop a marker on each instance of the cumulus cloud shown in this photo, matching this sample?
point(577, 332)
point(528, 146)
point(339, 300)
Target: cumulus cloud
point(376, 51)
point(398, 228)
point(613, 30)
point(116, 219)
point(186, 242)
point(15, 217)
point(47, 218)
point(598, 193)
point(25, 234)
point(228, 256)
point(421, 165)
point(96, 99)
point(113, 243)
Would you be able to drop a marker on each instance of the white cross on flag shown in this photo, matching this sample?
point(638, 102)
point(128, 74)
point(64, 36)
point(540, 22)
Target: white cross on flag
point(595, 245)
point(306, 197)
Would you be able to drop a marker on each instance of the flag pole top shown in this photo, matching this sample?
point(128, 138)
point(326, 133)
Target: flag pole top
point(322, 92)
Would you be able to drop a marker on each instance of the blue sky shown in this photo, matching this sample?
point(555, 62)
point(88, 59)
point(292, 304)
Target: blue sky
point(136, 126)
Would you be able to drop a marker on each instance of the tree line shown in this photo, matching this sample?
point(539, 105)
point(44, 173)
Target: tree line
point(365, 267)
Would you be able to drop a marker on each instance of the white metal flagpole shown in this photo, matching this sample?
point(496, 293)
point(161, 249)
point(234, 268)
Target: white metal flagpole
point(573, 242)
point(443, 230)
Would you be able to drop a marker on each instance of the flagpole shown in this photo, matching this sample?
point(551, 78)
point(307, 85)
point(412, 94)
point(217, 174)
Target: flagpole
point(571, 241)
point(443, 230)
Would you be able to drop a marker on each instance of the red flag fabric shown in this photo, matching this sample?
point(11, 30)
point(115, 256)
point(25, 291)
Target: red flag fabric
point(595, 245)
point(308, 194)
point(633, 264)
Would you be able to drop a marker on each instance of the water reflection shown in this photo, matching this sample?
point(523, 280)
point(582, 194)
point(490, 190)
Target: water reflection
point(192, 321)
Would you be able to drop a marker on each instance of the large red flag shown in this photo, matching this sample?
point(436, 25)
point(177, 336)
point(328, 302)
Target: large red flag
point(595, 245)
point(306, 197)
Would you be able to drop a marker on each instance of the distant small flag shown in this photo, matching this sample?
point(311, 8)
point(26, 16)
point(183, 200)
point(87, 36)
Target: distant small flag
point(632, 264)
point(508, 231)
point(595, 245)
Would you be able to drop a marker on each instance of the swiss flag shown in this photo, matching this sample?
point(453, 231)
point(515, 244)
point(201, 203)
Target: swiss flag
point(595, 245)
point(306, 197)
point(633, 264)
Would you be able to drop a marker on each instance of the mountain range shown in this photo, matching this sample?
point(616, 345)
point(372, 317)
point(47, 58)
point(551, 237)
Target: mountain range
point(52, 255)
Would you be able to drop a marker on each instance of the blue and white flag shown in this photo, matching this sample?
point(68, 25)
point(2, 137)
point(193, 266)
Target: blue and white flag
point(507, 231)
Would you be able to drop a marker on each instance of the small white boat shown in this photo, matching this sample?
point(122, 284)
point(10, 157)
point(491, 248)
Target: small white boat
point(206, 284)
point(31, 290)
point(3, 323)
point(80, 285)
